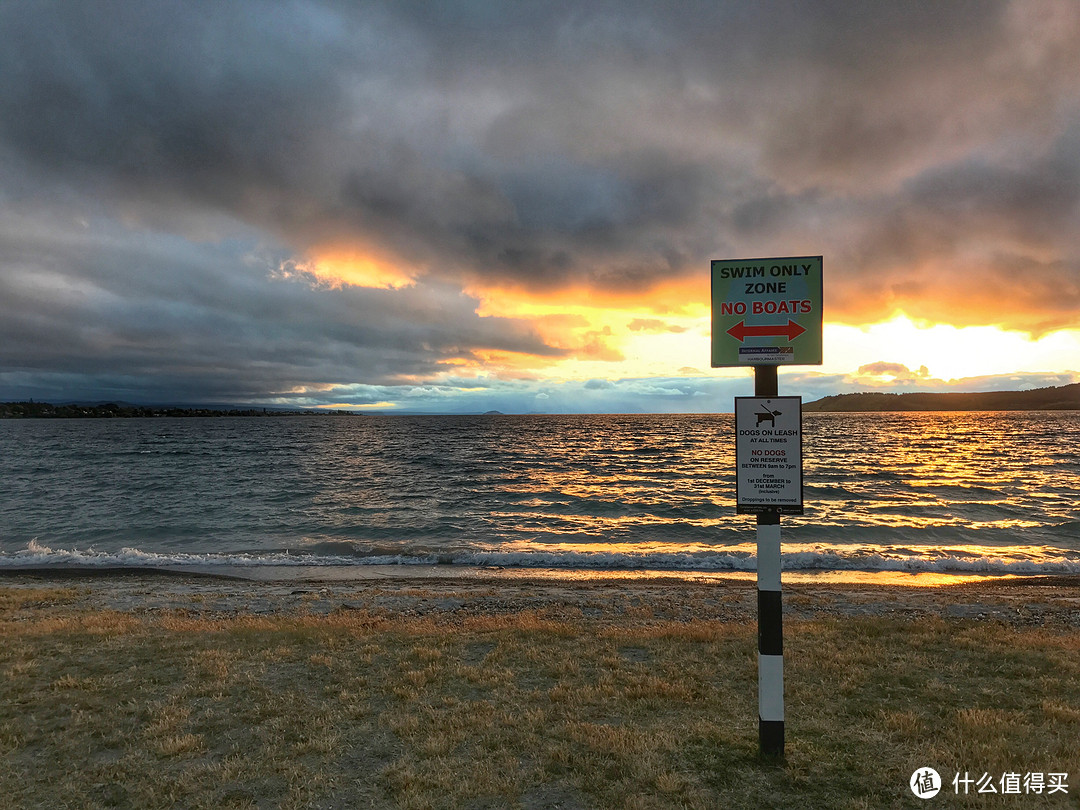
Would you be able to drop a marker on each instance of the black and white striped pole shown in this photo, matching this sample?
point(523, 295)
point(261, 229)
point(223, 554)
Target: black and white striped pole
point(770, 638)
point(770, 611)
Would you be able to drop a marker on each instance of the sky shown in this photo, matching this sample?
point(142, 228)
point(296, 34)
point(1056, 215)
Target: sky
point(466, 206)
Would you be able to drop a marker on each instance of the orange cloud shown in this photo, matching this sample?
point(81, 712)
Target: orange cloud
point(361, 266)
point(896, 371)
point(597, 346)
point(616, 328)
point(653, 325)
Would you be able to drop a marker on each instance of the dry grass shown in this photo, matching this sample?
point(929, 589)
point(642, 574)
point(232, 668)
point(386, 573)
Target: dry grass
point(517, 710)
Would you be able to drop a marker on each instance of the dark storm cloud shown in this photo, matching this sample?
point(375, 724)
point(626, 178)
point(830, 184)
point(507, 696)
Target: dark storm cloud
point(927, 149)
point(173, 318)
point(540, 142)
point(193, 104)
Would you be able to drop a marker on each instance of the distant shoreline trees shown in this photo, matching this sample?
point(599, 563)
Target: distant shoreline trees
point(111, 410)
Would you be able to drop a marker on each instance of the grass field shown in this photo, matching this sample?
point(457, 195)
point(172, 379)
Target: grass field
point(355, 709)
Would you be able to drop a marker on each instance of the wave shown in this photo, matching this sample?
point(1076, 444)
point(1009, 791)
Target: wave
point(1016, 560)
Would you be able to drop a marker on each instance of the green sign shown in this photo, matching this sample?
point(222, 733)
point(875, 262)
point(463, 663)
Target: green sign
point(766, 312)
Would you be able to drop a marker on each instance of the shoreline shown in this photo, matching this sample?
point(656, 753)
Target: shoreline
point(1017, 601)
point(309, 574)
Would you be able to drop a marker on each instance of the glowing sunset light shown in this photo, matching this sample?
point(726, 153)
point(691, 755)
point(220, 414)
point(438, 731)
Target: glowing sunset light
point(948, 352)
point(651, 346)
point(385, 405)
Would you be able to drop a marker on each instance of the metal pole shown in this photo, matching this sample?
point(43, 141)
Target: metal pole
point(770, 611)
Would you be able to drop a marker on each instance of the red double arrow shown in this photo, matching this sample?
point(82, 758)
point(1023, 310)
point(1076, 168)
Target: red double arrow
point(741, 331)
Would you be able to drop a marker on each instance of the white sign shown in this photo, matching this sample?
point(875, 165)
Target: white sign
point(768, 455)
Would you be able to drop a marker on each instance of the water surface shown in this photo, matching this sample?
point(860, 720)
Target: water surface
point(946, 492)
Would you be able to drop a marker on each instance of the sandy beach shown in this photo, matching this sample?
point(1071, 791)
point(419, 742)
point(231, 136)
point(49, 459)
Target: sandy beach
point(1018, 601)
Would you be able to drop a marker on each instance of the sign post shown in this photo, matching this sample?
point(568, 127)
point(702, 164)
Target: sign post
point(766, 313)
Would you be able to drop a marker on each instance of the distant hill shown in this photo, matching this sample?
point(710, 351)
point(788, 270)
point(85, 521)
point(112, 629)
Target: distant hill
point(1060, 398)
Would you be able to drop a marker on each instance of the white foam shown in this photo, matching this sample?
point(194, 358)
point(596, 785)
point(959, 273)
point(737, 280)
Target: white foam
point(1014, 560)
